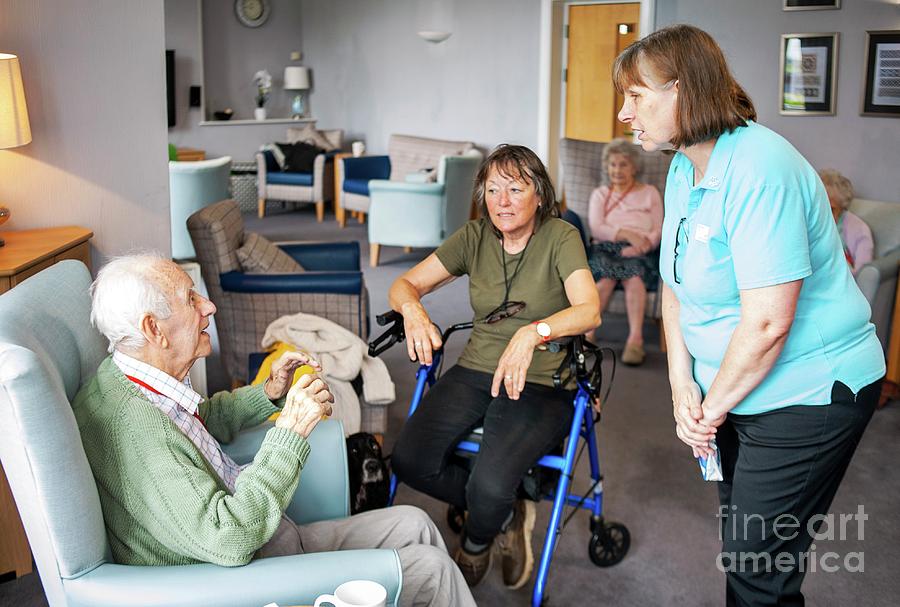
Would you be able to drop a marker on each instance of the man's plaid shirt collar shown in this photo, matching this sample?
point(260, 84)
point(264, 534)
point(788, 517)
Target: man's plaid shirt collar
point(179, 391)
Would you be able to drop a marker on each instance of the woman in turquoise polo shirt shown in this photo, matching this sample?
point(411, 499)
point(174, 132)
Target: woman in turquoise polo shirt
point(770, 347)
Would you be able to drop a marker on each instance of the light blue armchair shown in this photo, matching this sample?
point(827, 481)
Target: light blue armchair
point(878, 278)
point(407, 214)
point(192, 186)
point(47, 350)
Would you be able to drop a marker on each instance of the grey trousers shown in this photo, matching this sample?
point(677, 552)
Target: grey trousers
point(430, 577)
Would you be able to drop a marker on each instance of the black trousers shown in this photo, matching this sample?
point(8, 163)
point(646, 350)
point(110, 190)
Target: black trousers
point(781, 470)
point(517, 433)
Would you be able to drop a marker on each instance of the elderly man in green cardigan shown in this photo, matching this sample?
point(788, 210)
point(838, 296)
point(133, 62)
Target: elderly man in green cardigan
point(170, 494)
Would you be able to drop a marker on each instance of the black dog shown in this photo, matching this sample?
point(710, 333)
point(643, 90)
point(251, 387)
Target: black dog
point(370, 481)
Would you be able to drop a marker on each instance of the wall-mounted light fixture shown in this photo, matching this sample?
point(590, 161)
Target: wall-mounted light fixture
point(434, 36)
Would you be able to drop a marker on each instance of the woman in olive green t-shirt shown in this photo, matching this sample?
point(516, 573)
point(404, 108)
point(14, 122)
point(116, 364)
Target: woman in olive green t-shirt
point(529, 282)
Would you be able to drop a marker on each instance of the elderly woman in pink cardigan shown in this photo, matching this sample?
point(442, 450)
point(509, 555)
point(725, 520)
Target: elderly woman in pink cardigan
point(856, 236)
point(625, 218)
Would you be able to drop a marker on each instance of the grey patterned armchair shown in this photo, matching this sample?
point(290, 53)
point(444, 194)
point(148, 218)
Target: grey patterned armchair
point(331, 287)
point(582, 172)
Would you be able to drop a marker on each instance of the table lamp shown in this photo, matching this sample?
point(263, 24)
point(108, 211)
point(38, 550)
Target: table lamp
point(296, 78)
point(14, 127)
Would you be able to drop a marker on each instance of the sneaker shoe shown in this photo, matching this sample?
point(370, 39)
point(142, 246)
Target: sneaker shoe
point(473, 566)
point(515, 546)
point(633, 355)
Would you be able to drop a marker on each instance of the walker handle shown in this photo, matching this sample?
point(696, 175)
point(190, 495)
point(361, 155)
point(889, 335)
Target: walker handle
point(394, 334)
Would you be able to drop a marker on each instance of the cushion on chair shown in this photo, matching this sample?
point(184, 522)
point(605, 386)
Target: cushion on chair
point(299, 157)
point(309, 134)
point(274, 157)
point(411, 154)
point(259, 255)
point(883, 218)
point(284, 178)
point(357, 186)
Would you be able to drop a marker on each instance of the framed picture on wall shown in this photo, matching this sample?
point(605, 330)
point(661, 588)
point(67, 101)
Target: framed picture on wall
point(810, 5)
point(808, 74)
point(881, 92)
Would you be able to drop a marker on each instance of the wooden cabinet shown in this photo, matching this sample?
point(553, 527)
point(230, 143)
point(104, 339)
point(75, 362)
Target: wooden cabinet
point(26, 253)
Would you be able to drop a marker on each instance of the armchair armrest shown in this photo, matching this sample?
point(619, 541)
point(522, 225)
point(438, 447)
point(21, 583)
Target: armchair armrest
point(346, 283)
point(871, 275)
point(323, 256)
point(324, 491)
point(406, 214)
point(287, 580)
point(367, 167)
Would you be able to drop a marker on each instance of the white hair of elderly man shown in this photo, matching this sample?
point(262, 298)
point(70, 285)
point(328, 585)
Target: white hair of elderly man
point(127, 288)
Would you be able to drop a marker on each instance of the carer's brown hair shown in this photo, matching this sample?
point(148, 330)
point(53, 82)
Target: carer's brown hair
point(517, 162)
point(710, 101)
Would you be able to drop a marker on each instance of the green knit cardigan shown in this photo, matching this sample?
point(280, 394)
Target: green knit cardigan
point(163, 504)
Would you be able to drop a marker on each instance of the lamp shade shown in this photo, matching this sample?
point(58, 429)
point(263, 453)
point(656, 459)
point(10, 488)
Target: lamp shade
point(14, 127)
point(296, 78)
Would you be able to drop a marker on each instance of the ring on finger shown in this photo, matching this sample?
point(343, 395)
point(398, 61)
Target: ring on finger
point(508, 376)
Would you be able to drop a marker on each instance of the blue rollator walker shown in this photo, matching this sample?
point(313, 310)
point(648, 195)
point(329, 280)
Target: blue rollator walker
point(609, 541)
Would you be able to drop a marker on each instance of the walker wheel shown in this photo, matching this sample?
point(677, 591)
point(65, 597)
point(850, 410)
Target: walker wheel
point(455, 518)
point(609, 545)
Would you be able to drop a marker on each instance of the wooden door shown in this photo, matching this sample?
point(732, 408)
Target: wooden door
point(594, 41)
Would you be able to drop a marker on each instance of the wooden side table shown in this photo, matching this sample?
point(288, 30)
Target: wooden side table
point(26, 253)
point(189, 154)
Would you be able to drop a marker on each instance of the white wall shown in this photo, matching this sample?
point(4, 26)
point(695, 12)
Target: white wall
point(374, 76)
point(864, 148)
point(94, 74)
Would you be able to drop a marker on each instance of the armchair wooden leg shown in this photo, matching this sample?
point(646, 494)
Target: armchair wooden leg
point(361, 218)
point(374, 250)
point(262, 208)
point(341, 215)
point(320, 211)
point(407, 249)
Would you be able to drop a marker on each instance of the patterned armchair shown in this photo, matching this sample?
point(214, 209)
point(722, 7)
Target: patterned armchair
point(331, 287)
point(582, 172)
point(317, 187)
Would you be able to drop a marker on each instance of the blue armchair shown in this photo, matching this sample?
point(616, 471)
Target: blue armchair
point(316, 187)
point(48, 349)
point(407, 155)
point(422, 214)
point(331, 287)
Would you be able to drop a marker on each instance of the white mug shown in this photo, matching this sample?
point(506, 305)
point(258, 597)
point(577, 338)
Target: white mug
point(356, 593)
point(358, 148)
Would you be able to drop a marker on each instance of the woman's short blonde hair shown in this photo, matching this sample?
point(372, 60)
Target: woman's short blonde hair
point(625, 148)
point(839, 185)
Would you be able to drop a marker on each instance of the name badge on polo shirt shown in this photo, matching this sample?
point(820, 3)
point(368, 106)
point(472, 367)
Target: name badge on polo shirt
point(701, 233)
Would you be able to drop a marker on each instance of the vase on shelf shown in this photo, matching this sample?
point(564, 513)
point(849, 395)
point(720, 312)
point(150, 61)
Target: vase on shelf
point(259, 113)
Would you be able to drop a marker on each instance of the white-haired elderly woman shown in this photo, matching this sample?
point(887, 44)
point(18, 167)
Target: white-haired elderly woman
point(625, 218)
point(856, 236)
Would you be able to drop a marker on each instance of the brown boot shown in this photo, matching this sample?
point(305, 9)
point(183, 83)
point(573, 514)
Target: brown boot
point(473, 566)
point(515, 546)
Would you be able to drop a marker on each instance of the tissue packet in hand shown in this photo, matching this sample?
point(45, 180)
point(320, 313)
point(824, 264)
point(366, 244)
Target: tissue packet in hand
point(711, 467)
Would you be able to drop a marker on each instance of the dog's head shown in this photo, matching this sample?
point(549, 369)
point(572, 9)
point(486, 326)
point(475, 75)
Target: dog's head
point(364, 458)
point(369, 482)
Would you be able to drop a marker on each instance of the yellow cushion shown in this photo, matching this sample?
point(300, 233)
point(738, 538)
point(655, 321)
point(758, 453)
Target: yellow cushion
point(265, 369)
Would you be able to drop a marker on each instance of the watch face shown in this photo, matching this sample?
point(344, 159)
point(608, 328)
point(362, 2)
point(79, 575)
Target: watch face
point(543, 329)
point(252, 13)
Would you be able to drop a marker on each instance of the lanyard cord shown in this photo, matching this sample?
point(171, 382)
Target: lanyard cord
point(606, 208)
point(508, 282)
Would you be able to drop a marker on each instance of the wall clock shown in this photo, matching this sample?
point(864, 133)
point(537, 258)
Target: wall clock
point(252, 13)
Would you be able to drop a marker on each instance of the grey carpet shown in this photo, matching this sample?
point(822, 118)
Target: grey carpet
point(652, 484)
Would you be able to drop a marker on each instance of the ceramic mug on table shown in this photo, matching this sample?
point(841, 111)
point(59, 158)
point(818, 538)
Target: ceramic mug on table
point(356, 593)
point(358, 148)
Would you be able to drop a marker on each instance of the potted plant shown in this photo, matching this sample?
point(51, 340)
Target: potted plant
point(263, 81)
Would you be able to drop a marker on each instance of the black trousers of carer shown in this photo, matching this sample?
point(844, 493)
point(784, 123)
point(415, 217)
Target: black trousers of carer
point(517, 433)
point(784, 462)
